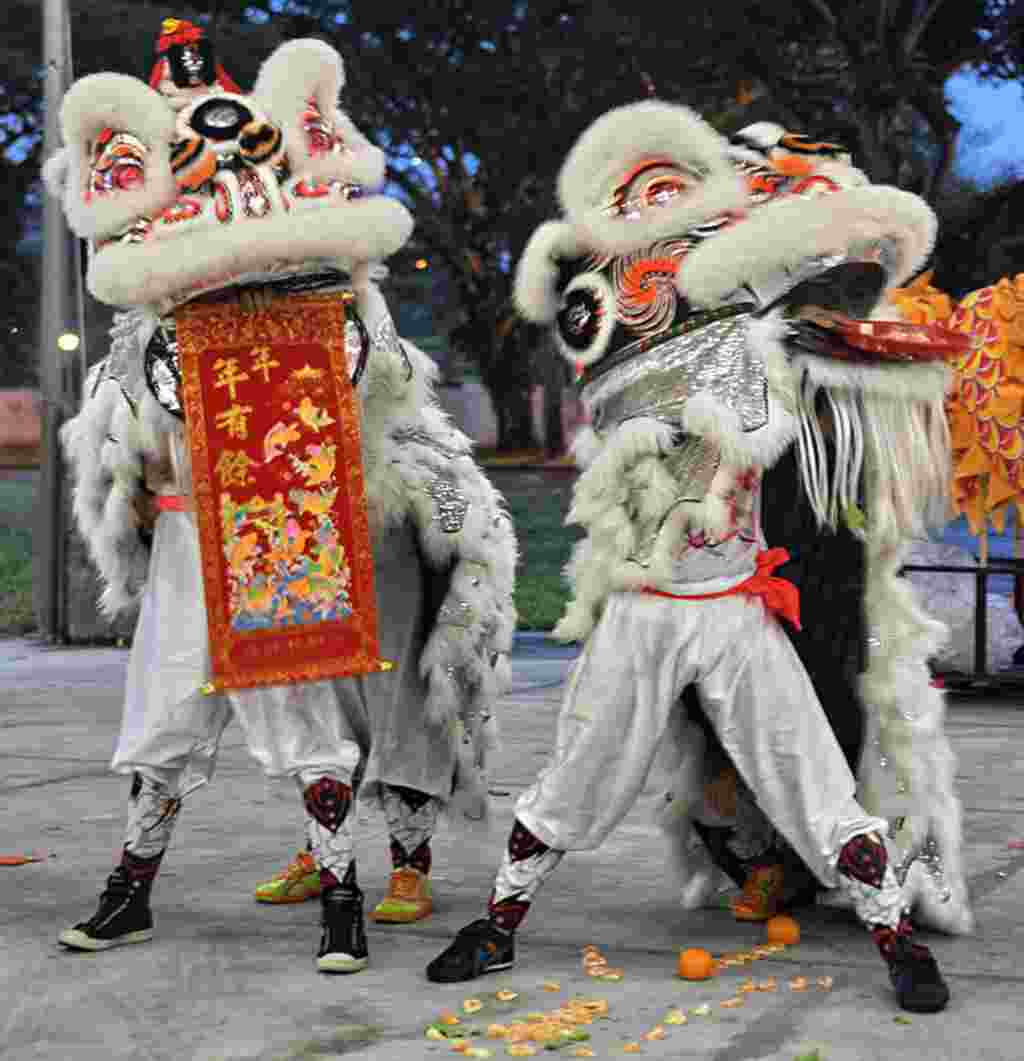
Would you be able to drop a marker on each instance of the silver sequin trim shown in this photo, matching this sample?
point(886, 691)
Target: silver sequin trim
point(450, 504)
point(457, 613)
point(931, 857)
point(693, 465)
point(717, 360)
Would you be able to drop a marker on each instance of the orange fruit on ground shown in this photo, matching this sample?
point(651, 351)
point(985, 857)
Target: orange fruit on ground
point(783, 929)
point(696, 964)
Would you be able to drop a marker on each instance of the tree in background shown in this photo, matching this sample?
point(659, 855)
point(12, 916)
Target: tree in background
point(477, 102)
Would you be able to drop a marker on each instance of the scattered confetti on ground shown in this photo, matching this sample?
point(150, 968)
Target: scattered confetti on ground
point(564, 1028)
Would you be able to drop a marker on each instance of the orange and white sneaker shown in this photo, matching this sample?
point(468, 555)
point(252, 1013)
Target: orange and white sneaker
point(763, 893)
point(408, 898)
point(299, 882)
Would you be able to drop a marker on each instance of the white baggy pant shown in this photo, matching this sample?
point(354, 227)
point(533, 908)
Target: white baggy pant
point(170, 728)
point(643, 652)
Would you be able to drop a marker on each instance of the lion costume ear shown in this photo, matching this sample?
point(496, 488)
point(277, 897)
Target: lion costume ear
point(115, 167)
point(299, 85)
point(617, 148)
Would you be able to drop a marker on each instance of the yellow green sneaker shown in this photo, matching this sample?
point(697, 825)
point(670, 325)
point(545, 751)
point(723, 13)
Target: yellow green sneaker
point(408, 898)
point(299, 882)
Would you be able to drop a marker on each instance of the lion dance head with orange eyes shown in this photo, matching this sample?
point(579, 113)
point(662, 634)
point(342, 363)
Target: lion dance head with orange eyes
point(720, 301)
point(201, 200)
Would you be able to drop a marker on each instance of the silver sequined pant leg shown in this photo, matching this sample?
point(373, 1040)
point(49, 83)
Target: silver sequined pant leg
point(155, 806)
point(407, 826)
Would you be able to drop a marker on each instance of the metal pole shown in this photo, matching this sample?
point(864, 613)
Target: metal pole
point(60, 315)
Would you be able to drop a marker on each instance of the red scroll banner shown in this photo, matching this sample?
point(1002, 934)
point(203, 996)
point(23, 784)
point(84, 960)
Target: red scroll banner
point(278, 485)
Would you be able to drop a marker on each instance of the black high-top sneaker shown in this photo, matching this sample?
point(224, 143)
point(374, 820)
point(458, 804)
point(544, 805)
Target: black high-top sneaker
point(480, 947)
point(343, 943)
point(123, 915)
point(915, 977)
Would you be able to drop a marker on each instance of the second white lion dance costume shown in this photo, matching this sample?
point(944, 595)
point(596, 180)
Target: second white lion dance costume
point(706, 299)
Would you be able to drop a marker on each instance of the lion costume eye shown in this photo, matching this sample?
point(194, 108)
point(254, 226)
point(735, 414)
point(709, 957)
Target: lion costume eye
point(586, 320)
point(119, 164)
point(650, 184)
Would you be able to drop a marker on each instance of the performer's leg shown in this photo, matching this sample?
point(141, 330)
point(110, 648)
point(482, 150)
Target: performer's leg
point(412, 817)
point(762, 704)
point(124, 915)
point(866, 876)
point(328, 803)
point(753, 843)
point(300, 731)
point(609, 729)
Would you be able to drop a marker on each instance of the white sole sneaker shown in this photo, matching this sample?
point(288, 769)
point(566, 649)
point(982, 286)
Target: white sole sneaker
point(79, 940)
point(341, 963)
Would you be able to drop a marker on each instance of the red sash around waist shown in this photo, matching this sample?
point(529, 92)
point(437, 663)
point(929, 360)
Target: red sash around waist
point(780, 597)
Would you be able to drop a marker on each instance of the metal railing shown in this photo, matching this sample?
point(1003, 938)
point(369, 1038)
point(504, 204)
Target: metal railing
point(997, 566)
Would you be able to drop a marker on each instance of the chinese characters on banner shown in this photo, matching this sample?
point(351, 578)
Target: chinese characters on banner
point(273, 429)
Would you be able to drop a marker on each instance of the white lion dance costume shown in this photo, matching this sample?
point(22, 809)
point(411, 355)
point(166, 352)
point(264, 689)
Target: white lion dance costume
point(713, 304)
point(190, 189)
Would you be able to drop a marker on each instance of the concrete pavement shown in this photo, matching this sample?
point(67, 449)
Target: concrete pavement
point(227, 978)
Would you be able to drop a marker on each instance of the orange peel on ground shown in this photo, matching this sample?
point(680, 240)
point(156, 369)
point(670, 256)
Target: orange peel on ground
point(798, 983)
point(657, 1032)
point(675, 1016)
point(506, 996)
point(631, 1048)
point(447, 1017)
point(732, 1003)
point(552, 985)
point(472, 1005)
point(520, 1050)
